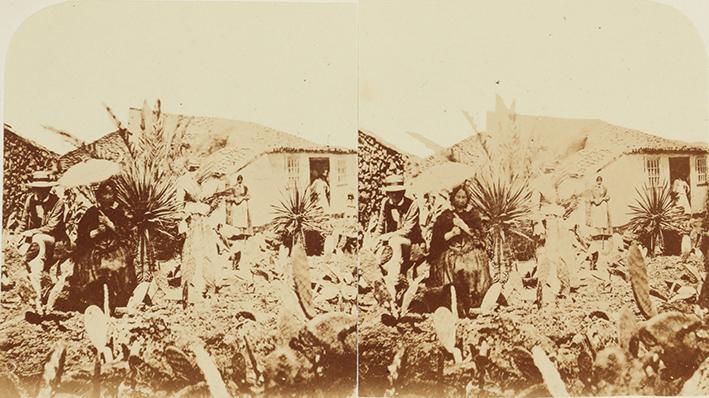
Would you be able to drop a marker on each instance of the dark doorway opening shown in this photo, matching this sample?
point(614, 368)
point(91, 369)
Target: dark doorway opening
point(679, 168)
point(319, 167)
point(315, 240)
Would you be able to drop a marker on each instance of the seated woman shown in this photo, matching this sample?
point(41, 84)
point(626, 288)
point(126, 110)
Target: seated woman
point(457, 254)
point(101, 252)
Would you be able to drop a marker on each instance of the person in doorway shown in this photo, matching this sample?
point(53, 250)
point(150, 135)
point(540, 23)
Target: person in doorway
point(457, 254)
point(319, 191)
point(325, 176)
point(680, 189)
point(398, 223)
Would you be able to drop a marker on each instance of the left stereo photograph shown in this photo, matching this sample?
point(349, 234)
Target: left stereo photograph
point(180, 201)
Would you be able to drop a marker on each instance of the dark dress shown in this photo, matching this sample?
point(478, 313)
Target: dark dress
point(101, 259)
point(460, 261)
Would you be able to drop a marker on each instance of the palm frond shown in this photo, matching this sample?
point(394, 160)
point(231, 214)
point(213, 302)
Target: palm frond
point(502, 204)
point(145, 188)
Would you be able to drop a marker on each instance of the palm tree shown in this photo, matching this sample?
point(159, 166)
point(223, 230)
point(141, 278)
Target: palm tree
point(145, 188)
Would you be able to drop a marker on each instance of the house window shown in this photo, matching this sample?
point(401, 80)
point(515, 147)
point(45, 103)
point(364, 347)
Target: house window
point(341, 169)
point(652, 169)
point(701, 164)
point(292, 171)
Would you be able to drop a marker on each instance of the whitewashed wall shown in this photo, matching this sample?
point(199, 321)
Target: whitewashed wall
point(267, 179)
point(626, 174)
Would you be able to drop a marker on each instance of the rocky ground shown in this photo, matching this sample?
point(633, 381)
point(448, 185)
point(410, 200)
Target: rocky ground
point(584, 336)
point(252, 329)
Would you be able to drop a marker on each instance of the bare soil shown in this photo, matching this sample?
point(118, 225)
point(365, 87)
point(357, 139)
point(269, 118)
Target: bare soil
point(254, 307)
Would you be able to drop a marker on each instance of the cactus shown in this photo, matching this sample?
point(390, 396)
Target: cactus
point(53, 370)
point(210, 371)
point(551, 376)
point(639, 281)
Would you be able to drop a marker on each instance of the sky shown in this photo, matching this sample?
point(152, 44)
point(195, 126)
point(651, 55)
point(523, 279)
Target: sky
point(289, 66)
point(634, 63)
point(391, 67)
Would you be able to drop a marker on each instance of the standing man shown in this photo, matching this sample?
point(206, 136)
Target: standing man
point(398, 223)
point(188, 192)
point(189, 197)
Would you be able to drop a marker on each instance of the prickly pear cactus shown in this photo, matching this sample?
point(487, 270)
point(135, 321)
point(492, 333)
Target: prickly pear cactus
point(639, 281)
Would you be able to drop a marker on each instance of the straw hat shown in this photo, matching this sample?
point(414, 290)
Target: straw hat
point(394, 183)
point(42, 179)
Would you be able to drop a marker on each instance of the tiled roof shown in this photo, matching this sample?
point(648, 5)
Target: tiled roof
point(220, 143)
point(609, 142)
point(316, 149)
point(203, 131)
point(230, 159)
point(110, 146)
point(581, 146)
point(7, 129)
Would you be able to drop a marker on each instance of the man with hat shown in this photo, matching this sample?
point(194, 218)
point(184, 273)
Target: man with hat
point(398, 223)
point(43, 213)
point(40, 225)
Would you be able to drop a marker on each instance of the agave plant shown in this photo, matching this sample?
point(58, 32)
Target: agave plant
point(295, 215)
point(502, 204)
point(147, 193)
point(654, 213)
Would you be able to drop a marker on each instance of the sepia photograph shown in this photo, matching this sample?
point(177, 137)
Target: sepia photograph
point(180, 201)
point(533, 194)
point(355, 198)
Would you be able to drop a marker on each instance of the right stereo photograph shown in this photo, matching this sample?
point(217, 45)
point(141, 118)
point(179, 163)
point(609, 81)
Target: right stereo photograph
point(533, 199)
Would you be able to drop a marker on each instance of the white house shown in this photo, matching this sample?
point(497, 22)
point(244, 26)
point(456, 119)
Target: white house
point(272, 162)
point(274, 173)
point(630, 161)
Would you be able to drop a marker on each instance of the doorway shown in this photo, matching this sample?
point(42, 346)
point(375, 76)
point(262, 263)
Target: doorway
point(319, 167)
point(679, 168)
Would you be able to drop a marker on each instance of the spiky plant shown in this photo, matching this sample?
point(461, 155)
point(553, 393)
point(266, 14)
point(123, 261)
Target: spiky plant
point(147, 193)
point(503, 204)
point(145, 188)
point(295, 215)
point(653, 214)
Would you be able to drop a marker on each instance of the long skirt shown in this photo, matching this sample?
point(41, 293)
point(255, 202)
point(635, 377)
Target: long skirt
point(98, 266)
point(600, 219)
point(467, 269)
point(240, 216)
point(683, 202)
point(200, 259)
